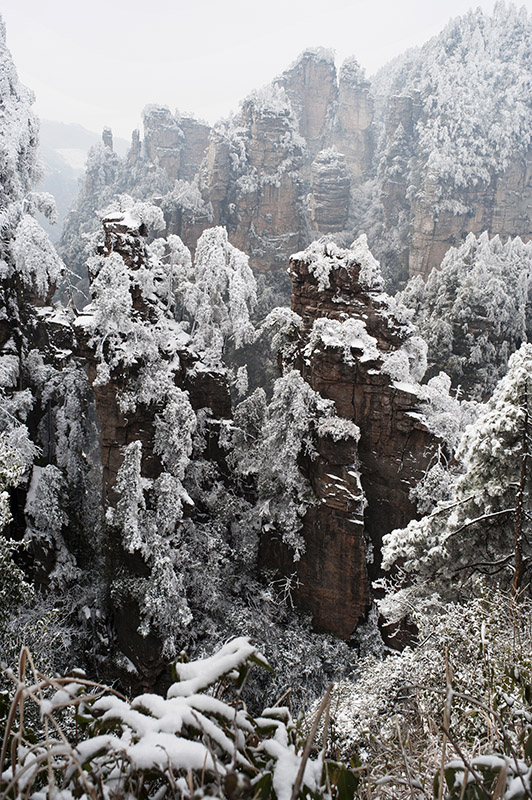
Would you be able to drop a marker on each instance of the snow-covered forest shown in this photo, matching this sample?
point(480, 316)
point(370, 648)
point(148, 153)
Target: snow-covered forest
point(265, 440)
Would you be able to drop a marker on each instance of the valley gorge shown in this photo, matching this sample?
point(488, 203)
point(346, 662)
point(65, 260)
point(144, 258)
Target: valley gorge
point(263, 388)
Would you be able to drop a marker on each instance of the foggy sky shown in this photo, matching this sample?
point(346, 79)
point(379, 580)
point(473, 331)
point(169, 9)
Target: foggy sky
point(100, 62)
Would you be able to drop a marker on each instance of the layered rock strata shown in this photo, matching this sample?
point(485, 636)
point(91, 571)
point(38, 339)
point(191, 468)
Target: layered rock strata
point(267, 174)
point(349, 338)
point(330, 580)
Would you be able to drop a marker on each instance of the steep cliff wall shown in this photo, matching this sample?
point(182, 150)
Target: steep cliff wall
point(148, 386)
point(267, 174)
point(439, 144)
point(351, 343)
point(455, 156)
point(174, 142)
point(501, 206)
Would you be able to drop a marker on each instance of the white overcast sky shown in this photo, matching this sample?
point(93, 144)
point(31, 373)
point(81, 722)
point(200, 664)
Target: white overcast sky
point(99, 62)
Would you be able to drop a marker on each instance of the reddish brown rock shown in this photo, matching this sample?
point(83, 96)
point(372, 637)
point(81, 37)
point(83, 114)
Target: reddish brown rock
point(432, 217)
point(263, 174)
point(330, 184)
point(176, 143)
point(330, 580)
point(206, 389)
point(503, 206)
point(118, 428)
point(394, 449)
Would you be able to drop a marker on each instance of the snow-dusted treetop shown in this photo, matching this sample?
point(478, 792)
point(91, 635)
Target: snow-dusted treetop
point(134, 213)
point(221, 296)
point(36, 258)
point(351, 72)
point(18, 131)
point(473, 311)
point(24, 246)
point(370, 269)
point(473, 84)
point(324, 255)
point(271, 99)
point(313, 53)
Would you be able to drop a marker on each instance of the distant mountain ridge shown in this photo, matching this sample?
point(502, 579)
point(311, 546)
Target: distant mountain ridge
point(63, 150)
point(437, 145)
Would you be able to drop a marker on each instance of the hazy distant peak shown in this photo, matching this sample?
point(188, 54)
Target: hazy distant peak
point(314, 54)
point(352, 72)
point(270, 99)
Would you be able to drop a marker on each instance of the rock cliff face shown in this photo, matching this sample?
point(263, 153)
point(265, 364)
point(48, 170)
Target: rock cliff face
point(455, 156)
point(330, 188)
point(174, 142)
point(290, 158)
point(350, 338)
point(121, 427)
point(501, 206)
point(331, 576)
point(411, 196)
point(251, 179)
point(269, 175)
point(436, 146)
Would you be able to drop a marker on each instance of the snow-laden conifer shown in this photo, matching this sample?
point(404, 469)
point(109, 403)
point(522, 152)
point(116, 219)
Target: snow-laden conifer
point(473, 310)
point(482, 526)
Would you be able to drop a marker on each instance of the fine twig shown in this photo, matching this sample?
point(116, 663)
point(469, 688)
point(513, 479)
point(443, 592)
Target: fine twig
point(308, 745)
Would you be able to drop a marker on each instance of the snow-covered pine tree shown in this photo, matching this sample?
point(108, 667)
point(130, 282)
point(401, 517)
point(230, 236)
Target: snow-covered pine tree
point(220, 297)
point(43, 401)
point(483, 526)
point(473, 311)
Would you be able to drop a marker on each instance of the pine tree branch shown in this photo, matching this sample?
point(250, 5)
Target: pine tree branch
point(479, 519)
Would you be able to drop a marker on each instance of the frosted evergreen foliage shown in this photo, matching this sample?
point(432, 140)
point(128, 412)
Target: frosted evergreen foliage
point(174, 428)
point(370, 276)
point(445, 414)
point(47, 520)
point(130, 487)
point(473, 84)
point(397, 699)
point(36, 259)
point(316, 54)
point(123, 336)
point(408, 363)
point(113, 319)
point(324, 256)
point(186, 744)
point(172, 270)
point(147, 514)
point(482, 526)
point(42, 202)
point(134, 213)
point(349, 336)
point(271, 100)
point(351, 72)
point(473, 311)
point(281, 327)
point(16, 457)
point(26, 253)
point(221, 298)
point(269, 440)
point(13, 468)
point(18, 135)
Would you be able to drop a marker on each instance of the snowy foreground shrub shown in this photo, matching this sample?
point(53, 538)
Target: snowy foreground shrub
point(198, 741)
point(457, 706)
